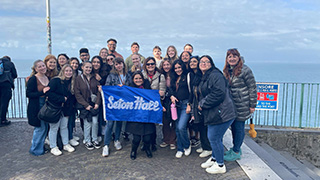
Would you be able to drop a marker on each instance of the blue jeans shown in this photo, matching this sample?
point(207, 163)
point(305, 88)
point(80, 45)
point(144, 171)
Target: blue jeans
point(108, 131)
point(39, 135)
point(71, 125)
point(215, 136)
point(91, 129)
point(183, 141)
point(238, 133)
point(54, 127)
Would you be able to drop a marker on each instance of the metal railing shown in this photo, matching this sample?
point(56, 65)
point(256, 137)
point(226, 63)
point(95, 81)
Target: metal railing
point(299, 106)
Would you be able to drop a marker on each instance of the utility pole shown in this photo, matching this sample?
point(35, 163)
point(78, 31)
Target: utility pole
point(48, 26)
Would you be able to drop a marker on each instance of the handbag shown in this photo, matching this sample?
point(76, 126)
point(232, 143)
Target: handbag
point(93, 97)
point(50, 113)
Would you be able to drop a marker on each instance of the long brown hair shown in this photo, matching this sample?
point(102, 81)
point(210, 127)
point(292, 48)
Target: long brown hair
point(119, 60)
point(237, 69)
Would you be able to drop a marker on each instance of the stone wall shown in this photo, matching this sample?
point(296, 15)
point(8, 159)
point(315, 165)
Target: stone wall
point(301, 143)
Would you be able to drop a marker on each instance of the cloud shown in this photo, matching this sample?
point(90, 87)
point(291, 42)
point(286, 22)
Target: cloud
point(276, 27)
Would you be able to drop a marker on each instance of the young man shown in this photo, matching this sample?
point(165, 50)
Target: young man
point(112, 45)
point(157, 55)
point(7, 77)
point(188, 47)
point(134, 49)
point(84, 54)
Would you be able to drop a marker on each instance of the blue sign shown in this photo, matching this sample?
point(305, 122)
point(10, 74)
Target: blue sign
point(267, 96)
point(132, 104)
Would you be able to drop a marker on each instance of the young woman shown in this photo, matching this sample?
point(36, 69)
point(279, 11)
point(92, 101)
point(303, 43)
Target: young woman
point(168, 128)
point(37, 86)
point(158, 82)
point(117, 77)
point(244, 93)
point(136, 61)
point(198, 126)
point(51, 62)
point(61, 94)
point(73, 140)
point(100, 72)
point(62, 60)
point(98, 69)
point(74, 62)
point(110, 60)
point(103, 54)
point(179, 95)
point(88, 96)
point(140, 129)
point(172, 54)
point(217, 109)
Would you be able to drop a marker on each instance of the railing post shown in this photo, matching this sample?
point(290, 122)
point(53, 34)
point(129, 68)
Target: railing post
point(301, 105)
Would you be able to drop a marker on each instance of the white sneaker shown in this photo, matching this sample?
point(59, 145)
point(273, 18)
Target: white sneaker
point(99, 138)
point(216, 169)
point(179, 154)
point(187, 152)
point(172, 146)
point(210, 162)
point(68, 148)
point(73, 142)
point(205, 153)
point(105, 151)
point(55, 151)
point(199, 150)
point(76, 138)
point(117, 145)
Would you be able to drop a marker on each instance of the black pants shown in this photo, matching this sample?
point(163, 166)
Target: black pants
point(5, 96)
point(145, 138)
point(205, 144)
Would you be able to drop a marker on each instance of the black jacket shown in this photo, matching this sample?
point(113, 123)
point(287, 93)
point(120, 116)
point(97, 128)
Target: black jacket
point(59, 89)
point(140, 128)
point(33, 106)
point(10, 72)
point(215, 101)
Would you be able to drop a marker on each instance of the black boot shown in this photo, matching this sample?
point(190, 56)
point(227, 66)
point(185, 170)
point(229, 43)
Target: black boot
point(148, 151)
point(133, 154)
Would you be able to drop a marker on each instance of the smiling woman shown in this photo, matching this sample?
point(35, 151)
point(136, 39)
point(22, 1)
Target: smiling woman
point(61, 93)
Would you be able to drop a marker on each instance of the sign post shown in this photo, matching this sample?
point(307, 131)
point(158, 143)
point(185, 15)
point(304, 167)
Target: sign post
point(268, 94)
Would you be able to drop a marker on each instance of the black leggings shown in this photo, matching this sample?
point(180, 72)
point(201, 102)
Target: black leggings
point(145, 138)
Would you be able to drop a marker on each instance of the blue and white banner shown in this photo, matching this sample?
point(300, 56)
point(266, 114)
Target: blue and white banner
point(132, 104)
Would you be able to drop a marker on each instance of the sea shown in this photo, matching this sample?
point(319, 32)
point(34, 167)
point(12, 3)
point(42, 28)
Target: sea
point(263, 71)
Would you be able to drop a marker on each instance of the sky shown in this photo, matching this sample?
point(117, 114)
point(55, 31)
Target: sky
point(262, 30)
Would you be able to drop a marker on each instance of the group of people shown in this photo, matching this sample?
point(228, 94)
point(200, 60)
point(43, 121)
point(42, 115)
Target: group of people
point(208, 101)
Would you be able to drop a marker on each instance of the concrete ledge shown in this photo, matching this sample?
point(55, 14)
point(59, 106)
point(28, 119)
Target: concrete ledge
point(250, 163)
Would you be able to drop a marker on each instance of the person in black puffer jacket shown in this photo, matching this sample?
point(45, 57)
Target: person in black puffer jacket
point(244, 93)
point(217, 109)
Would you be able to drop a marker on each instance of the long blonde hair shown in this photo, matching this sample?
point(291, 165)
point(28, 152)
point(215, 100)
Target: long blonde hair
point(63, 77)
point(33, 68)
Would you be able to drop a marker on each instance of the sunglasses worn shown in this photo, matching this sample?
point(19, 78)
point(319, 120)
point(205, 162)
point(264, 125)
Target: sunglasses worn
point(150, 64)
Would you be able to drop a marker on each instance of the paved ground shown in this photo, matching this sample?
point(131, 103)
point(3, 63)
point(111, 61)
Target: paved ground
point(17, 163)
